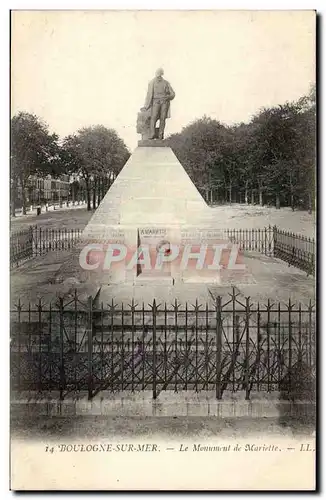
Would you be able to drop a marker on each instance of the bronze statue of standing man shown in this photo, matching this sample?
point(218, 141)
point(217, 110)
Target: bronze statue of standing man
point(157, 103)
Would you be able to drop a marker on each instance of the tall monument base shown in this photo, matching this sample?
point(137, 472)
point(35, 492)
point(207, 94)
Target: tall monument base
point(152, 188)
point(152, 220)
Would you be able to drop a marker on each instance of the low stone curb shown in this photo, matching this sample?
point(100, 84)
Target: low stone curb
point(167, 404)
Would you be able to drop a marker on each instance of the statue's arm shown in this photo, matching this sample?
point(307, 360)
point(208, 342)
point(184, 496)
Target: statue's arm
point(149, 96)
point(171, 92)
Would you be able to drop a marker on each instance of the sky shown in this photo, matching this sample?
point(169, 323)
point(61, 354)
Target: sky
point(80, 68)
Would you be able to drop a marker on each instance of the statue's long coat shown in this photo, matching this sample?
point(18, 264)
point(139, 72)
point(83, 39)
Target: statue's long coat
point(150, 95)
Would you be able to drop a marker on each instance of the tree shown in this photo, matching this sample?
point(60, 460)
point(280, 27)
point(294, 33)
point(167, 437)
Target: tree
point(198, 148)
point(284, 150)
point(273, 154)
point(97, 155)
point(33, 151)
point(306, 152)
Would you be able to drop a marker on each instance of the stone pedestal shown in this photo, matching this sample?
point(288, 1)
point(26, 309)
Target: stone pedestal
point(151, 203)
point(152, 188)
point(152, 143)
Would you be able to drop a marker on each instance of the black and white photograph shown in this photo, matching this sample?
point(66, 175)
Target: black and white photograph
point(162, 213)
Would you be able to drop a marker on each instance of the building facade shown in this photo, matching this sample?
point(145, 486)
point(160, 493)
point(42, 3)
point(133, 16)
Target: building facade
point(48, 189)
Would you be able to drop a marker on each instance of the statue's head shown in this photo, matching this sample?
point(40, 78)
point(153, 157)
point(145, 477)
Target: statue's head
point(159, 72)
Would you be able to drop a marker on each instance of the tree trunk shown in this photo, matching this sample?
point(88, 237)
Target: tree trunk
point(73, 193)
point(309, 203)
point(211, 196)
point(230, 193)
point(292, 201)
point(246, 195)
point(109, 181)
point(13, 198)
point(99, 184)
point(252, 197)
point(60, 199)
point(277, 201)
point(23, 187)
point(261, 197)
point(103, 187)
point(291, 193)
point(88, 195)
point(94, 195)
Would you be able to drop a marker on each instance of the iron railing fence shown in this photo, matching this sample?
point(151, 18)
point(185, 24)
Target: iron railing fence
point(21, 246)
point(47, 239)
point(34, 241)
point(258, 240)
point(296, 250)
point(231, 345)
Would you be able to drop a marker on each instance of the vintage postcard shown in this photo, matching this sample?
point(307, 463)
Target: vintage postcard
point(162, 250)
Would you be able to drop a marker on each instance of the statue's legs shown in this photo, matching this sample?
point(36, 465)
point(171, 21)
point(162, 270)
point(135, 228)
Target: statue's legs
point(156, 113)
point(163, 115)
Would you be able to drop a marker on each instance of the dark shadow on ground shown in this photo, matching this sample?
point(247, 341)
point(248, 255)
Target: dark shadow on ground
point(43, 427)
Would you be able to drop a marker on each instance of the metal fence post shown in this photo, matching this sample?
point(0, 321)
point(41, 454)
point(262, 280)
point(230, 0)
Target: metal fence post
point(186, 343)
point(112, 342)
point(218, 347)
point(290, 306)
point(143, 347)
point(90, 347)
point(32, 231)
point(234, 335)
point(122, 347)
point(247, 348)
point(176, 343)
point(62, 368)
point(154, 309)
point(50, 346)
point(39, 310)
point(40, 241)
point(196, 345)
point(19, 308)
point(31, 250)
point(310, 335)
point(274, 241)
point(268, 332)
point(258, 347)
